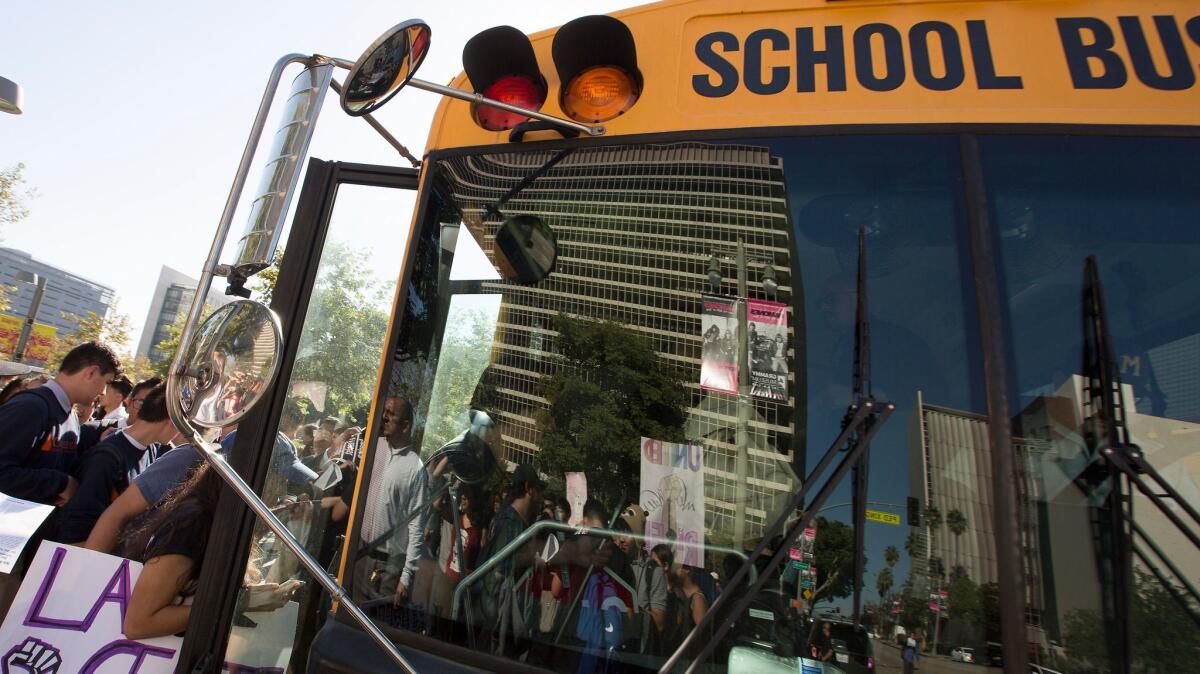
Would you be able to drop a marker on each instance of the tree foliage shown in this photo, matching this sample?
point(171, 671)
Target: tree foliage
point(883, 582)
point(464, 355)
point(612, 390)
point(891, 556)
point(1165, 638)
point(833, 556)
point(112, 329)
point(344, 331)
point(13, 195)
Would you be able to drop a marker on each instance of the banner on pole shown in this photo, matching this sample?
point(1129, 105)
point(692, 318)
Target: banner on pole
point(41, 339)
point(766, 342)
point(69, 615)
point(10, 334)
point(672, 493)
point(719, 328)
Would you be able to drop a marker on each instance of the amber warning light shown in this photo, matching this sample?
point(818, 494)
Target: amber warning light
point(597, 62)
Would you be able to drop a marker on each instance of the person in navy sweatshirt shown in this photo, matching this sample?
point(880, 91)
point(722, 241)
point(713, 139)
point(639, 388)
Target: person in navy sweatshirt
point(107, 469)
point(34, 463)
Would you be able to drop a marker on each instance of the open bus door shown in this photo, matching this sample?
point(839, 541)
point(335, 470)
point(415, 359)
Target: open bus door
point(335, 198)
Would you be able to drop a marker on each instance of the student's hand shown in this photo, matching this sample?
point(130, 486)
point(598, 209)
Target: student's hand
point(72, 486)
point(401, 594)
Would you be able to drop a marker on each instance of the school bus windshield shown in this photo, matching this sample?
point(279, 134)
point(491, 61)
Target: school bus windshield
point(620, 379)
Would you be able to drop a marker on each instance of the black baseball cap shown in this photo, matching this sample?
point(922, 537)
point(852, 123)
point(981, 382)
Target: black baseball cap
point(525, 473)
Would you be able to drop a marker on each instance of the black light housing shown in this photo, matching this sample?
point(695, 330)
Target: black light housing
point(502, 66)
point(600, 53)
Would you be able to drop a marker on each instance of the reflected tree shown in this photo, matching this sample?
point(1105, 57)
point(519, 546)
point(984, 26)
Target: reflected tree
point(612, 390)
point(1165, 637)
point(833, 555)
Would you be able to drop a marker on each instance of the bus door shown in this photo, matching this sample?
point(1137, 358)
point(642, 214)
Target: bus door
point(337, 276)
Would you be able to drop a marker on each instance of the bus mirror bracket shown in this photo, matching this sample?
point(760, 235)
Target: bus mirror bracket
point(179, 371)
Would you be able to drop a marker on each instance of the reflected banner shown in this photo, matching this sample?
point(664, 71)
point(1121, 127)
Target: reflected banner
point(766, 343)
point(719, 328)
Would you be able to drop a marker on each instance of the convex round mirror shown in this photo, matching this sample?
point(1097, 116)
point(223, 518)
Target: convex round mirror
point(526, 248)
point(385, 67)
point(470, 457)
point(230, 364)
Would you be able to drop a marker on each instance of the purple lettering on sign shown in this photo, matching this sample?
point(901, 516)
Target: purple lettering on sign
point(139, 652)
point(116, 591)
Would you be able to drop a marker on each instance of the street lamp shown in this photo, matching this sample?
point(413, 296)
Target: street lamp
point(40, 282)
point(11, 96)
point(744, 405)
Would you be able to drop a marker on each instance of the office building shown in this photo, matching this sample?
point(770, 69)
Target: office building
point(636, 227)
point(67, 298)
point(172, 296)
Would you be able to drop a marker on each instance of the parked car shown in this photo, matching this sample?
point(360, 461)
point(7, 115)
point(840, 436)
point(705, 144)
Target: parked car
point(962, 654)
point(852, 648)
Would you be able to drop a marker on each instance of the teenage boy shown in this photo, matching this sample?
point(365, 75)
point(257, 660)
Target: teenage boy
point(109, 467)
point(34, 465)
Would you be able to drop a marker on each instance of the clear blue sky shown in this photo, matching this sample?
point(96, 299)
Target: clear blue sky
point(136, 114)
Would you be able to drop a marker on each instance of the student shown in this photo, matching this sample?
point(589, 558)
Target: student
point(108, 468)
point(650, 584)
point(34, 464)
point(21, 383)
point(171, 544)
point(112, 402)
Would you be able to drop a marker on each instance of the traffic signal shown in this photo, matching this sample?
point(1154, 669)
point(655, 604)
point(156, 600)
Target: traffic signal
point(914, 511)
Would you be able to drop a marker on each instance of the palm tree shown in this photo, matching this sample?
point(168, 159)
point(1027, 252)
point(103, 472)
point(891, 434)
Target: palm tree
point(883, 583)
point(891, 555)
point(911, 544)
point(957, 523)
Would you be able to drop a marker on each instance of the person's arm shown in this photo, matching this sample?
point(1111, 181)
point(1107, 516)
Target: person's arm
point(96, 475)
point(21, 422)
point(658, 596)
point(150, 612)
point(112, 521)
point(699, 607)
point(418, 500)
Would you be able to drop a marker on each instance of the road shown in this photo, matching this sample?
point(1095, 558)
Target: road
point(887, 661)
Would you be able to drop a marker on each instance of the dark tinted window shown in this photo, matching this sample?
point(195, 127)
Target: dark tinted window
point(1133, 203)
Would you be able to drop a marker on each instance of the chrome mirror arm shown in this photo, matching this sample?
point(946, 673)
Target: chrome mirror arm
point(174, 386)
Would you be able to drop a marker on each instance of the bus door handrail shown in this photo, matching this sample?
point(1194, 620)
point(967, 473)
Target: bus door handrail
point(538, 527)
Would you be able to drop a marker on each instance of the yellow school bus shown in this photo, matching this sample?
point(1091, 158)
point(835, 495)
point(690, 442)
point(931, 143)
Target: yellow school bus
point(818, 336)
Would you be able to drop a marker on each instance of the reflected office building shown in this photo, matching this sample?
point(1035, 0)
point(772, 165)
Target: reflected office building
point(636, 228)
point(948, 453)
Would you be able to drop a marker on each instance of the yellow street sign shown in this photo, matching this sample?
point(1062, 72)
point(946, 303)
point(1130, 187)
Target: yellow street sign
point(886, 518)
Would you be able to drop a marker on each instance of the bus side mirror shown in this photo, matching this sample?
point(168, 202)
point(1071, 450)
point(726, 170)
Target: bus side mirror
point(230, 364)
point(385, 67)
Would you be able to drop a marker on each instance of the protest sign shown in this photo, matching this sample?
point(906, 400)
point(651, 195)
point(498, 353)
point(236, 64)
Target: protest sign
point(766, 343)
point(672, 493)
point(69, 614)
point(19, 521)
point(719, 328)
point(576, 496)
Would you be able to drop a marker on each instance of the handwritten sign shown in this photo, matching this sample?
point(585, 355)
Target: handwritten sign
point(672, 493)
point(886, 518)
point(576, 496)
point(69, 614)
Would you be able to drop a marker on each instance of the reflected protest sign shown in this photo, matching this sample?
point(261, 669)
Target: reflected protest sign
point(719, 329)
point(69, 614)
point(672, 493)
point(766, 343)
point(576, 496)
